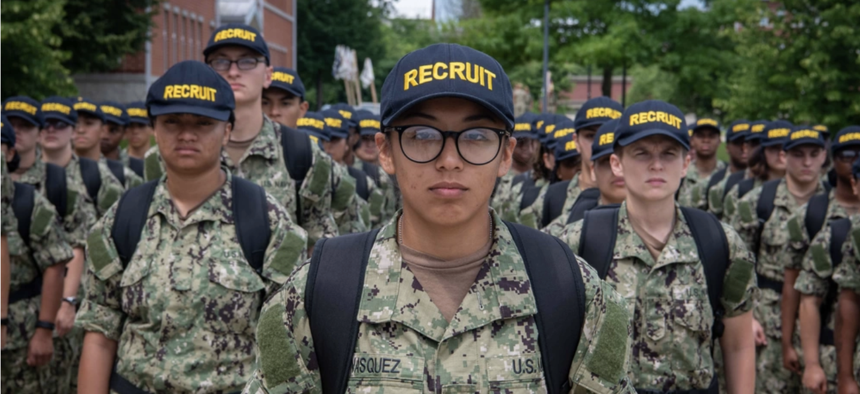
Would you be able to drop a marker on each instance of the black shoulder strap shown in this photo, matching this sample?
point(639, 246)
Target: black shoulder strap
point(745, 186)
point(91, 176)
point(553, 202)
point(251, 215)
point(530, 194)
point(764, 207)
point(733, 180)
point(56, 188)
point(831, 177)
point(130, 218)
point(118, 170)
point(586, 201)
point(136, 165)
point(816, 214)
point(713, 248)
point(23, 205)
point(556, 282)
point(521, 178)
point(297, 153)
point(597, 239)
point(372, 170)
point(839, 230)
point(361, 187)
point(715, 179)
point(337, 293)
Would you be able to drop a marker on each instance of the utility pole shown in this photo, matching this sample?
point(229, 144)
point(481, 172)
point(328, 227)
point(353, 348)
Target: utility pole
point(545, 53)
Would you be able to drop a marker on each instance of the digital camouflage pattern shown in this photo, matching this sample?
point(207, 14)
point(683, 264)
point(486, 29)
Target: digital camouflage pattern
point(263, 163)
point(108, 194)
point(346, 205)
point(131, 178)
point(771, 377)
point(184, 309)
point(668, 299)
point(8, 193)
point(47, 248)
point(501, 198)
point(556, 226)
point(491, 344)
point(729, 207)
point(384, 208)
point(80, 213)
point(692, 190)
point(847, 276)
point(532, 214)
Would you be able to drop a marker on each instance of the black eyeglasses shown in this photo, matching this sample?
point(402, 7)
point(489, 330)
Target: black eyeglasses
point(423, 144)
point(848, 155)
point(244, 64)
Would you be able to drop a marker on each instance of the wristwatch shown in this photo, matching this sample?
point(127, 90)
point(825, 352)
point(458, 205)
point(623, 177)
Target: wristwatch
point(71, 300)
point(45, 325)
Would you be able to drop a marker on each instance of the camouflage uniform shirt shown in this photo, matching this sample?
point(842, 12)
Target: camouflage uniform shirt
point(8, 194)
point(693, 186)
point(493, 331)
point(183, 310)
point(573, 192)
point(847, 276)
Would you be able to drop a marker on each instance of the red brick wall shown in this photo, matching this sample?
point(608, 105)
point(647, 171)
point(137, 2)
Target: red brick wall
point(278, 32)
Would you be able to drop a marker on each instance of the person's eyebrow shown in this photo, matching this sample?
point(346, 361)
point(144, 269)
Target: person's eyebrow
point(477, 117)
point(418, 114)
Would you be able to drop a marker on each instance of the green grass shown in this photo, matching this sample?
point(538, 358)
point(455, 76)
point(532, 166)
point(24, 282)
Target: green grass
point(722, 154)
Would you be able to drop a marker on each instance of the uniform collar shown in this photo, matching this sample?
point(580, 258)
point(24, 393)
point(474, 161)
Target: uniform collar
point(391, 293)
point(216, 208)
point(834, 210)
point(680, 248)
point(266, 144)
point(786, 200)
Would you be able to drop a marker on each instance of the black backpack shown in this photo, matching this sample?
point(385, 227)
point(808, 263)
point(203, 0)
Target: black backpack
point(250, 213)
point(839, 230)
point(530, 195)
point(373, 171)
point(336, 294)
point(118, 170)
point(733, 180)
point(361, 186)
point(91, 176)
point(597, 247)
point(586, 201)
point(553, 202)
point(136, 165)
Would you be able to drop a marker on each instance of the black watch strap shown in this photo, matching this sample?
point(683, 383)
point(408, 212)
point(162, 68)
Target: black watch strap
point(45, 325)
point(4, 321)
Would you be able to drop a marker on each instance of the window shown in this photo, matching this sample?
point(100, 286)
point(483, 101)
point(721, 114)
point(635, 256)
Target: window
point(165, 26)
point(173, 45)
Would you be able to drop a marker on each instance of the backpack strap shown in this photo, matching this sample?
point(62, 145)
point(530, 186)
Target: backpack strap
point(715, 179)
point(831, 177)
point(733, 180)
point(816, 214)
point(597, 239)
point(839, 230)
point(361, 187)
point(745, 186)
point(118, 170)
point(706, 229)
point(131, 214)
point(298, 158)
point(556, 282)
point(136, 165)
point(529, 197)
point(553, 202)
point(56, 188)
point(91, 176)
point(764, 208)
point(373, 171)
point(521, 178)
point(586, 201)
point(23, 205)
point(337, 293)
point(251, 216)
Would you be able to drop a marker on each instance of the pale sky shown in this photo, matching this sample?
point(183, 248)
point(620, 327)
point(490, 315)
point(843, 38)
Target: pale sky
point(423, 8)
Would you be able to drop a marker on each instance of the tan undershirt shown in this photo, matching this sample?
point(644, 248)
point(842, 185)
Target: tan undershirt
point(655, 246)
point(446, 281)
point(237, 149)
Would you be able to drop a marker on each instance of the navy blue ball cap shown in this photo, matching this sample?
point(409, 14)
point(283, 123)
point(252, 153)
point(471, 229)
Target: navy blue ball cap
point(738, 129)
point(757, 130)
point(823, 129)
point(114, 112)
point(288, 80)
point(849, 136)
point(238, 34)
point(604, 140)
point(597, 111)
point(776, 133)
point(59, 108)
point(565, 148)
point(447, 70)
point(8, 134)
point(137, 113)
point(89, 107)
point(563, 128)
point(191, 87)
point(368, 123)
point(649, 118)
point(705, 123)
point(336, 125)
point(313, 123)
point(524, 127)
point(23, 107)
point(544, 125)
point(803, 135)
point(346, 112)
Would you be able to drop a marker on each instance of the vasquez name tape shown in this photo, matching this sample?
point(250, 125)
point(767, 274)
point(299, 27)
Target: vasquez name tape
point(606, 139)
point(655, 116)
point(602, 112)
point(235, 33)
point(310, 122)
point(82, 106)
point(849, 137)
point(20, 106)
point(806, 133)
point(283, 77)
point(438, 71)
point(779, 133)
point(369, 124)
point(204, 93)
point(55, 107)
point(111, 110)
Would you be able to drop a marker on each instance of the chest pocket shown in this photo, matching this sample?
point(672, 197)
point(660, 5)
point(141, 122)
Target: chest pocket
point(691, 321)
point(517, 374)
point(234, 297)
point(386, 373)
point(774, 238)
point(136, 295)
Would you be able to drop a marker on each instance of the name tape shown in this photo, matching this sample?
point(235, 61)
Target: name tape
point(602, 112)
point(655, 116)
point(138, 112)
point(778, 133)
point(56, 107)
point(20, 106)
point(235, 33)
point(198, 92)
point(806, 133)
point(82, 106)
point(311, 122)
point(438, 71)
point(369, 124)
point(606, 139)
point(111, 110)
point(283, 77)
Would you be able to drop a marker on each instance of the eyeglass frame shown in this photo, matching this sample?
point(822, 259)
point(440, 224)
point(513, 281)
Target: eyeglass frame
point(445, 136)
point(230, 66)
point(52, 123)
point(838, 154)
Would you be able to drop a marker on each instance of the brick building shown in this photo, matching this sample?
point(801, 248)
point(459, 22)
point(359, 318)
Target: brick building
point(180, 31)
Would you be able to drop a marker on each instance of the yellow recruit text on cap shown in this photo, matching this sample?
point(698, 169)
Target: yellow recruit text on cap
point(56, 107)
point(740, 127)
point(549, 129)
point(20, 106)
point(283, 77)
point(757, 128)
point(706, 122)
point(311, 122)
point(137, 112)
point(454, 70)
point(563, 132)
point(523, 127)
point(314, 139)
point(539, 124)
point(821, 128)
point(778, 133)
point(804, 134)
point(369, 124)
point(345, 114)
point(204, 93)
point(602, 113)
point(849, 137)
point(606, 139)
point(82, 106)
point(111, 110)
point(569, 146)
point(655, 116)
point(235, 33)
point(333, 122)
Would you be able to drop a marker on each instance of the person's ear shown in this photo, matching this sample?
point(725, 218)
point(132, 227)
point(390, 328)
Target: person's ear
point(615, 163)
point(507, 153)
point(687, 161)
point(303, 108)
point(386, 159)
point(228, 129)
point(268, 78)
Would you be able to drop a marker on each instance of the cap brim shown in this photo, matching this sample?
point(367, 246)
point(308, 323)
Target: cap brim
point(160, 109)
point(736, 136)
point(29, 118)
point(601, 154)
point(64, 118)
point(212, 48)
point(369, 132)
point(292, 91)
point(791, 145)
point(848, 144)
point(567, 155)
point(316, 133)
point(509, 123)
point(590, 123)
point(525, 135)
point(774, 142)
point(142, 121)
point(648, 133)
